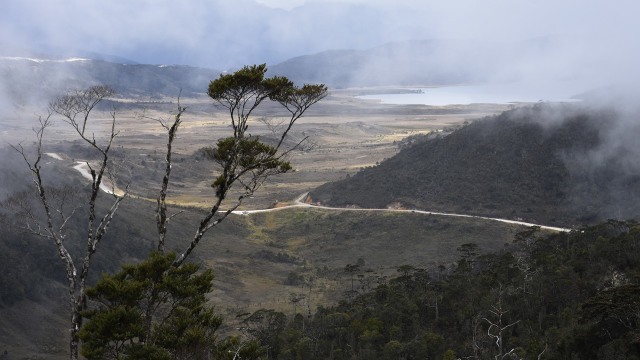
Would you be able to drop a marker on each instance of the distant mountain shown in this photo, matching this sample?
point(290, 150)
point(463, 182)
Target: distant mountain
point(419, 62)
point(398, 63)
point(335, 68)
point(25, 80)
point(559, 165)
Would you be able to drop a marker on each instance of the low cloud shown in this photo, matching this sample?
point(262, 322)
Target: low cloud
point(226, 34)
point(586, 45)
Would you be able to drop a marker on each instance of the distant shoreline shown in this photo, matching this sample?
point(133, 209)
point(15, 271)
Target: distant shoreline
point(468, 94)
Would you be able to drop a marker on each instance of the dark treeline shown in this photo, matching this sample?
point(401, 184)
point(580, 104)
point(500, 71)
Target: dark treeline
point(551, 164)
point(562, 296)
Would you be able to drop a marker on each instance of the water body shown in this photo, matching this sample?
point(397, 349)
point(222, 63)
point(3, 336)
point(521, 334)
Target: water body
point(482, 94)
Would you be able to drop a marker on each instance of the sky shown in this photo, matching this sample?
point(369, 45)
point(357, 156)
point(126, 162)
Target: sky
point(226, 34)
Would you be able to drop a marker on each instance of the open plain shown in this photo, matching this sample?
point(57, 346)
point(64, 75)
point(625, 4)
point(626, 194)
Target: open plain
point(343, 134)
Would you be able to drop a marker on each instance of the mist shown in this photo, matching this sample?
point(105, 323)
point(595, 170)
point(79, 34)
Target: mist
point(587, 47)
point(586, 44)
point(222, 34)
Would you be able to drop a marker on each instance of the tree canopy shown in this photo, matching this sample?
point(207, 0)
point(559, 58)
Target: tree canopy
point(151, 310)
point(576, 298)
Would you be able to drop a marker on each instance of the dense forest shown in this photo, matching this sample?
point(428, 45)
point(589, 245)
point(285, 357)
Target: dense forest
point(562, 296)
point(553, 164)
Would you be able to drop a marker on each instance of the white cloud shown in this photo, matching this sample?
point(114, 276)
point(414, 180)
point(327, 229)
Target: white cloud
point(223, 34)
point(281, 4)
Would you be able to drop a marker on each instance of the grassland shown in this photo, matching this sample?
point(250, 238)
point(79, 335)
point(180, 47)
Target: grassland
point(263, 260)
point(315, 246)
point(344, 134)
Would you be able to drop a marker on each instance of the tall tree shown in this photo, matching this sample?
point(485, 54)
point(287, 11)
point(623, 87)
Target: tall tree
point(243, 160)
point(75, 109)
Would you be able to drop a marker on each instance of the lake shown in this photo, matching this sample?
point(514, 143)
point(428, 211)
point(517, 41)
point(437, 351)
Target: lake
point(482, 94)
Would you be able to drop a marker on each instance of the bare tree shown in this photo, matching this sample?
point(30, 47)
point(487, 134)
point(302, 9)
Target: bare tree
point(162, 219)
point(496, 331)
point(75, 109)
point(522, 256)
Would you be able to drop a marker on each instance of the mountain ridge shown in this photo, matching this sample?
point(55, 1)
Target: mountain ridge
point(26, 80)
point(25, 77)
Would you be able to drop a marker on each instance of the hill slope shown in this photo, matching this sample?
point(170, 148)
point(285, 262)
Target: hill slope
point(545, 164)
point(396, 63)
point(420, 62)
point(23, 80)
point(259, 260)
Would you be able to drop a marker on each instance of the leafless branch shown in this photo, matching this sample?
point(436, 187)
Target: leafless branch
point(543, 351)
point(161, 209)
point(75, 109)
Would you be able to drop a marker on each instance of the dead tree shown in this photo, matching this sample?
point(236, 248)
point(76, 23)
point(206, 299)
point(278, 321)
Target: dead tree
point(496, 331)
point(162, 219)
point(75, 109)
point(497, 328)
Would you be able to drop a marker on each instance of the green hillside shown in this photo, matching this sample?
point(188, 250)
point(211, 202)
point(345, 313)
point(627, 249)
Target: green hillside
point(565, 296)
point(544, 164)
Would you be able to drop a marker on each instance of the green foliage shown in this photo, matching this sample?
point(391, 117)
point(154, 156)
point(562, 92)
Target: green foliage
point(300, 98)
point(248, 80)
point(616, 313)
point(449, 355)
point(530, 163)
point(245, 156)
point(151, 310)
point(561, 296)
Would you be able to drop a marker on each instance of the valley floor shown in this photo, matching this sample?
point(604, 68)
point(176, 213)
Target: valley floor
point(263, 260)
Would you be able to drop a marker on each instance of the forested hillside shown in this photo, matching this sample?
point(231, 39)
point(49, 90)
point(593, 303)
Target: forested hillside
point(565, 296)
point(546, 164)
point(33, 303)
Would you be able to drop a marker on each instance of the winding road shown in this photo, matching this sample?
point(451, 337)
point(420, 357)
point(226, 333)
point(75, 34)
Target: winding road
point(107, 185)
point(83, 168)
point(298, 203)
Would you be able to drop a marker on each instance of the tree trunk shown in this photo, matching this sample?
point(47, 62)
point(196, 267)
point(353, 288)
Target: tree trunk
point(74, 341)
